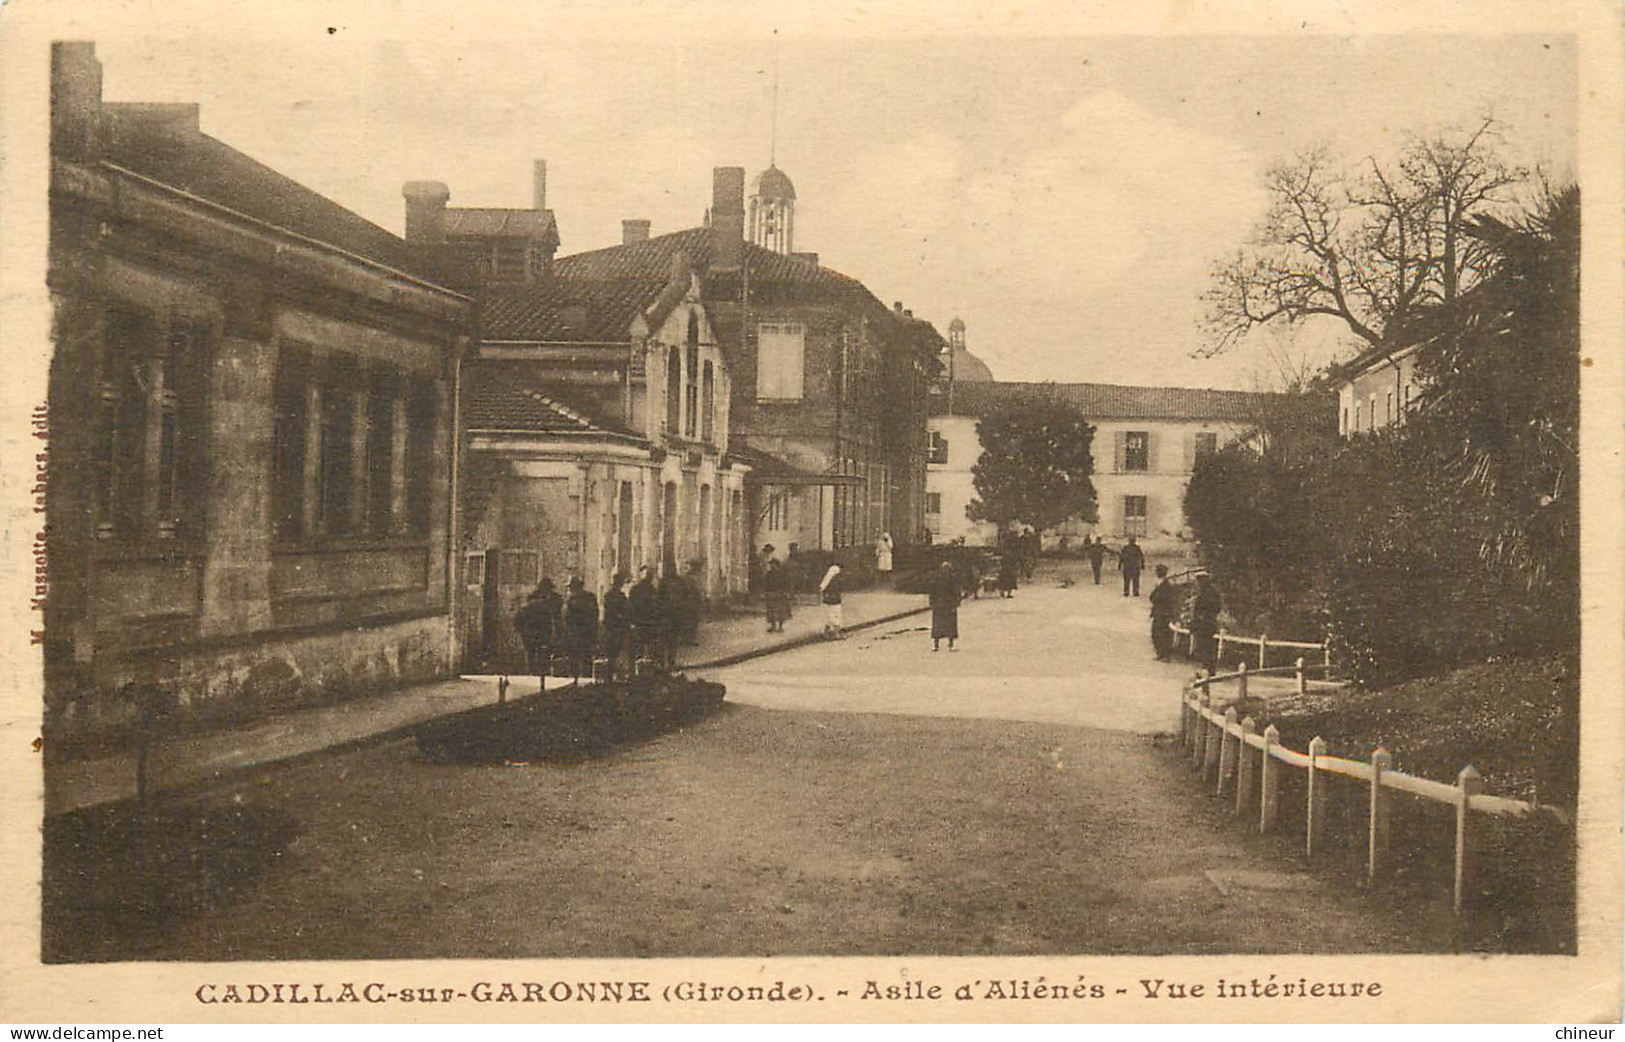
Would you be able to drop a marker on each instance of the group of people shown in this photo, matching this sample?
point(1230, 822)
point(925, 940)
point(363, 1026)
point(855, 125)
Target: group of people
point(1130, 561)
point(648, 621)
point(1205, 604)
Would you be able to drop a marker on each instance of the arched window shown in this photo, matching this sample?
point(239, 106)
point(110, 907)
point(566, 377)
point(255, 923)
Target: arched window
point(708, 391)
point(674, 391)
point(691, 383)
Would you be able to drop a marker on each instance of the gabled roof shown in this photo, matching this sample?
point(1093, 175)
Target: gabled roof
point(497, 398)
point(487, 222)
point(652, 259)
point(156, 142)
point(1111, 401)
point(559, 311)
point(768, 469)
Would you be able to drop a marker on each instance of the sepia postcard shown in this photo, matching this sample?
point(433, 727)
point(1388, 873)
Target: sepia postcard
point(557, 512)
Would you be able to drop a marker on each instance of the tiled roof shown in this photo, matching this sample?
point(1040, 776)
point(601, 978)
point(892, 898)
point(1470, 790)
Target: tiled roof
point(652, 259)
point(147, 140)
point(491, 222)
point(495, 400)
point(557, 310)
point(1111, 401)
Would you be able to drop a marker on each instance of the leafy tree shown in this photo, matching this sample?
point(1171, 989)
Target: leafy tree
point(1372, 249)
point(1035, 465)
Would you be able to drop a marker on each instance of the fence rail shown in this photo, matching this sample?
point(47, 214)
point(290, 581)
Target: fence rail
point(1261, 642)
point(1220, 746)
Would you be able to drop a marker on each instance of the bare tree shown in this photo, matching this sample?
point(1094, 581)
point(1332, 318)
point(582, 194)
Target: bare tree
point(1370, 249)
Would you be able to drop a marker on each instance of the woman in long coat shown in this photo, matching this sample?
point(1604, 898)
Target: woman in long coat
point(776, 591)
point(945, 597)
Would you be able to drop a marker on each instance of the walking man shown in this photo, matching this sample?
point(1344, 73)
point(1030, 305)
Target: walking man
point(829, 594)
point(1164, 607)
point(776, 592)
point(617, 624)
point(580, 629)
point(1096, 554)
point(945, 596)
point(1131, 559)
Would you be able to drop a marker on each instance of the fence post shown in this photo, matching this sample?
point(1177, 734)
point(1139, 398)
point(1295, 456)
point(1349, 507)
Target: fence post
point(1219, 658)
point(1210, 758)
point(1263, 643)
point(1199, 746)
point(1227, 751)
point(1326, 649)
point(1377, 839)
point(1244, 768)
point(1241, 682)
point(1315, 826)
point(1269, 782)
point(1468, 785)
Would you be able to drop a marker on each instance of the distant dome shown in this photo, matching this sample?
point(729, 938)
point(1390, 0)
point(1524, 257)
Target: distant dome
point(967, 368)
point(774, 183)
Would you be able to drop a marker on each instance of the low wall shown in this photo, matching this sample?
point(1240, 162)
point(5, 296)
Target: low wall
point(222, 682)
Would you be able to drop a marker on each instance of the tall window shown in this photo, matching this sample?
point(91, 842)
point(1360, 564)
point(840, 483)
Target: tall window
point(937, 449)
point(674, 391)
point(1390, 413)
point(691, 381)
point(1134, 451)
point(1134, 515)
point(1356, 417)
point(708, 391)
point(352, 452)
point(1207, 443)
point(147, 446)
point(1345, 419)
point(780, 360)
point(933, 502)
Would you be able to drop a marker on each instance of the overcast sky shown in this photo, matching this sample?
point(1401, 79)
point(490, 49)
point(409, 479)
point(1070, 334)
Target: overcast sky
point(1065, 197)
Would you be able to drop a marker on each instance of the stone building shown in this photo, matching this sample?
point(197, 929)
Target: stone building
point(829, 386)
point(1146, 444)
point(252, 405)
point(1377, 388)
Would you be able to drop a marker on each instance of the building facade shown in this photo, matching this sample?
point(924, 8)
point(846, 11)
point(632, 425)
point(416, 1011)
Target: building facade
point(1146, 444)
point(1377, 390)
point(252, 410)
point(828, 388)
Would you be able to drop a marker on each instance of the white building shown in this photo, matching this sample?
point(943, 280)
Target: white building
point(1377, 389)
point(1147, 441)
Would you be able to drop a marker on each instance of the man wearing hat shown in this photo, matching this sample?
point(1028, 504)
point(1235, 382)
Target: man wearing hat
point(617, 624)
point(537, 623)
point(1205, 605)
point(1164, 607)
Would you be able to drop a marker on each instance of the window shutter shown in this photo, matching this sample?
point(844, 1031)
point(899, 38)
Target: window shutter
point(1150, 454)
point(1190, 452)
point(1120, 450)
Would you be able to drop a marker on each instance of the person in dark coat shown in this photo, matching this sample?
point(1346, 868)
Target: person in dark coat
point(776, 591)
point(690, 604)
point(1096, 554)
point(644, 609)
point(1131, 559)
point(668, 616)
point(1009, 570)
point(1205, 606)
point(580, 629)
point(1164, 608)
point(617, 624)
point(945, 596)
point(537, 622)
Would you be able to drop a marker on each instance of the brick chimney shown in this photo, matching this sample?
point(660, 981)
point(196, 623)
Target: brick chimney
point(634, 230)
point(425, 210)
point(727, 216)
point(538, 185)
point(76, 100)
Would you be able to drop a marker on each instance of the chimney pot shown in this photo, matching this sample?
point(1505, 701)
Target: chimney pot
point(727, 216)
point(634, 230)
point(425, 210)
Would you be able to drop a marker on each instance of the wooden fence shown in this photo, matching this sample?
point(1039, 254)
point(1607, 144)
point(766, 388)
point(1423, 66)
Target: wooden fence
point(1234, 757)
point(1262, 642)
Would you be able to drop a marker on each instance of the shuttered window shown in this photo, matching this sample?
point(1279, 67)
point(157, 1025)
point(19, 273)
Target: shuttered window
point(780, 360)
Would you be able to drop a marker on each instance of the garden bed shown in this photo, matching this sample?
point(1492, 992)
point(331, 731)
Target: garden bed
point(569, 724)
